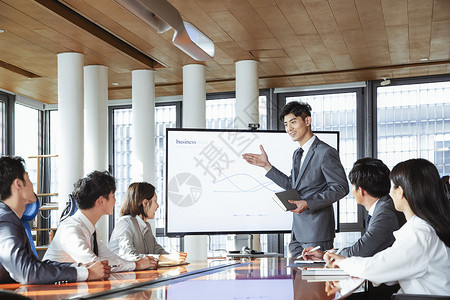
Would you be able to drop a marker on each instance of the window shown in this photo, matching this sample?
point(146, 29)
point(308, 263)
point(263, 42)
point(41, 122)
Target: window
point(221, 114)
point(414, 121)
point(27, 136)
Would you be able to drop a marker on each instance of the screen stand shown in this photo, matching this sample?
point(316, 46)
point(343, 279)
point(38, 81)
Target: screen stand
point(235, 242)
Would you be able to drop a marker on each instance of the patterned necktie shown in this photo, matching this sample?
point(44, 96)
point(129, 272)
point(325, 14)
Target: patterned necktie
point(297, 162)
point(95, 243)
point(368, 220)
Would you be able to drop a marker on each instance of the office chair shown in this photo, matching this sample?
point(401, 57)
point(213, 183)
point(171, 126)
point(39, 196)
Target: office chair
point(417, 297)
point(31, 211)
point(70, 209)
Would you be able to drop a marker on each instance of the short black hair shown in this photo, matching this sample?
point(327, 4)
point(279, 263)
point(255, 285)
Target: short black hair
point(90, 188)
point(299, 109)
point(372, 175)
point(11, 168)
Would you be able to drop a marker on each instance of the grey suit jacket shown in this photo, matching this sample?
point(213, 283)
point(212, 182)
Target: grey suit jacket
point(321, 182)
point(128, 241)
point(18, 262)
point(379, 235)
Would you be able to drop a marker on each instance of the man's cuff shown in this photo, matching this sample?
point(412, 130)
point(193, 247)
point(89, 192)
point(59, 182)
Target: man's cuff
point(82, 273)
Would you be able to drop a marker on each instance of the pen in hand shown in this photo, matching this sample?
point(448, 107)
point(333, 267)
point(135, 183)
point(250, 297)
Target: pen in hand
point(313, 249)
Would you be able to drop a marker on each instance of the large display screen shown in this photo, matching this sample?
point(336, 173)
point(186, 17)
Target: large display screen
point(211, 189)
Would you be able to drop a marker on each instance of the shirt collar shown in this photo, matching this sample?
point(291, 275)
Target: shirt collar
point(83, 219)
point(308, 145)
point(372, 208)
point(142, 224)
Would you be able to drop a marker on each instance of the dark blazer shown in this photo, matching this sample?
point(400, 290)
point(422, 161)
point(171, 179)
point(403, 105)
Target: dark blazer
point(379, 235)
point(18, 262)
point(321, 182)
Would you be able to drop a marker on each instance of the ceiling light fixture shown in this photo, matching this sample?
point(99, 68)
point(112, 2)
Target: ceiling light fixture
point(423, 59)
point(385, 81)
point(161, 16)
point(2, 30)
point(115, 83)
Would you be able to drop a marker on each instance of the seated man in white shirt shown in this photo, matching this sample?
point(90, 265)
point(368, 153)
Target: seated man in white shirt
point(17, 262)
point(75, 239)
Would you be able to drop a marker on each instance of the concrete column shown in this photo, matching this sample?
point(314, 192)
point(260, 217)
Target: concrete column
point(143, 138)
point(194, 116)
point(70, 107)
point(247, 93)
point(247, 106)
point(96, 129)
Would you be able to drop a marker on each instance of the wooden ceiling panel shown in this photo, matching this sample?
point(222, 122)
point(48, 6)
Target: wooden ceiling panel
point(419, 16)
point(345, 14)
point(246, 15)
point(321, 16)
point(372, 23)
point(359, 52)
point(440, 40)
point(318, 52)
point(286, 65)
point(441, 10)
point(210, 6)
point(279, 26)
point(398, 40)
point(298, 42)
point(297, 16)
point(395, 12)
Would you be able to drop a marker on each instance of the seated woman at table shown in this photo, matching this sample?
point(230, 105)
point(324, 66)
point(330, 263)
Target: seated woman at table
point(419, 259)
point(132, 237)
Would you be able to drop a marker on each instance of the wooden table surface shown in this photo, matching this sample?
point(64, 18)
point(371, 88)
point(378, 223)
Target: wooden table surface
point(261, 278)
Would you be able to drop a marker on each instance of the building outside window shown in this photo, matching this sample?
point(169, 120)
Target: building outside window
point(413, 122)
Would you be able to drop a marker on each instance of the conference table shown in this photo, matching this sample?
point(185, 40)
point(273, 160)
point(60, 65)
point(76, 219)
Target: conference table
point(246, 278)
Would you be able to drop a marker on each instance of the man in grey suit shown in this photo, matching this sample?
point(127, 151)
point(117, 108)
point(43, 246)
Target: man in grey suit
point(371, 185)
point(17, 261)
point(318, 176)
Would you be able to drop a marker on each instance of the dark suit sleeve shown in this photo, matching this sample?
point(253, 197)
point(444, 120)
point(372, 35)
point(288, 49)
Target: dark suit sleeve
point(378, 236)
point(335, 180)
point(281, 179)
point(20, 262)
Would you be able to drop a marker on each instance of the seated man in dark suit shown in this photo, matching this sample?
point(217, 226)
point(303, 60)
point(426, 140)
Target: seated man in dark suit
point(371, 185)
point(17, 261)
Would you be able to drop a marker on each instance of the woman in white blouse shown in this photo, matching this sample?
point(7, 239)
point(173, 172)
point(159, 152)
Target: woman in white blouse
point(132, 237)
point(419, 259)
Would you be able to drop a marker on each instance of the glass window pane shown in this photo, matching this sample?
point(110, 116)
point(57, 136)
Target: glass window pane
point(26, 139)
point(414, 121)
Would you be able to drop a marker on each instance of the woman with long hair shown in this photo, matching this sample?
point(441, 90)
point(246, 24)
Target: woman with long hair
point(419, 259)
point(132, 237)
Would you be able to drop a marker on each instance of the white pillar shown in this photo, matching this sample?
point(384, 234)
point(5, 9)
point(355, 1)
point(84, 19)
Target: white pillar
point(194, 116)
point(70, 107)
point(247, 106)
point(247, 93)
point(96, 129)
point(143, 138)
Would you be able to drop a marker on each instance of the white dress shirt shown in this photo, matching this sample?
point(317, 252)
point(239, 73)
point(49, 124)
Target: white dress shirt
point(73, 242)
point(306, 148)
point(418, 260)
